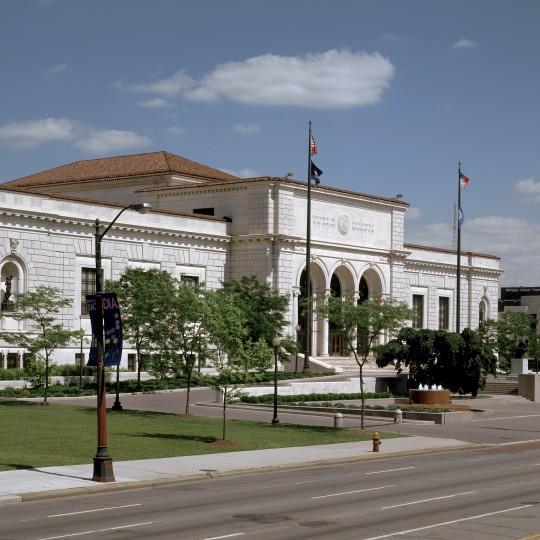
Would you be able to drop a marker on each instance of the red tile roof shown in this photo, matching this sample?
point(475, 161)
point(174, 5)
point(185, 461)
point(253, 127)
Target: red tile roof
point(134, 166)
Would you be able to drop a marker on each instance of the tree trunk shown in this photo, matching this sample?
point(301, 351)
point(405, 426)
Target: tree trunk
point(46, 379)
point(224, 413)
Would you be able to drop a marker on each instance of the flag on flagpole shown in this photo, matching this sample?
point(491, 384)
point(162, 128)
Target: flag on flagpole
point(464, 180)
point(460, 217)
point(313, 146)
point(315, 173)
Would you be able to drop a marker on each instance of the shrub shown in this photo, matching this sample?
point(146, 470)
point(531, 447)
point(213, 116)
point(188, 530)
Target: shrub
point(34, 372)
point(11, 374)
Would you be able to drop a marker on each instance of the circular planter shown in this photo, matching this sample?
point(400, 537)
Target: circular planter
point(429, 397)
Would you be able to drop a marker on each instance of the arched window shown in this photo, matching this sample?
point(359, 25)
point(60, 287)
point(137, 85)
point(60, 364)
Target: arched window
point(10, 285)
point(482, 310)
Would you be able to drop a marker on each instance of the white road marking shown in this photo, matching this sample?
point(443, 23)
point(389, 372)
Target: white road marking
point(351, 492)
point(429, 500)
point(506, 418)
point(95, 510)
point(98, 531)
point(226, 536)
point(391, 470)
point(401, 533)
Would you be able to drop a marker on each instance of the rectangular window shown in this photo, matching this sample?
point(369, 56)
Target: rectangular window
point(88, 286)
point(418, 311)
point(132, 364)
point(444, 313)
point(189, 280)
point(12, 360)
point(204, 211)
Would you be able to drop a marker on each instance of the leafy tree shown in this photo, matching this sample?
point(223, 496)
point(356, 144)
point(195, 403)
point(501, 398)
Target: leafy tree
point(264, 308)
point(145, 298)
point(512, 328)
point(226, 329)
point(186, 342)
point(367, 321)
point(41, 309)
point(458, 362)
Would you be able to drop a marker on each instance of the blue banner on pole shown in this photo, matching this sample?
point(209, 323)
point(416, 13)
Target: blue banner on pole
point(112, 326)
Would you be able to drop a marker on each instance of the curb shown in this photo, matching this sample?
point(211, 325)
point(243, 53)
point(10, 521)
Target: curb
point(145, 484)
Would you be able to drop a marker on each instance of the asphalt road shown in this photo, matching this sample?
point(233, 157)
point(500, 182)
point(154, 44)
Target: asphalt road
point(484, 494)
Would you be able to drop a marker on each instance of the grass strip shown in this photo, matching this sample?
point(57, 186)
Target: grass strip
point(37, 435)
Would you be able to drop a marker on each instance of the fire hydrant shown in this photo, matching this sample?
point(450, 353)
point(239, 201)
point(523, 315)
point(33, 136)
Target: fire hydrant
point(376, 441)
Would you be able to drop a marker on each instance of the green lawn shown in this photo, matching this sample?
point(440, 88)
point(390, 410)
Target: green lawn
point(36, 435)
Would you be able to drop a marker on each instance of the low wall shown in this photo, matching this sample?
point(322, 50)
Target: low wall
point(529, 386)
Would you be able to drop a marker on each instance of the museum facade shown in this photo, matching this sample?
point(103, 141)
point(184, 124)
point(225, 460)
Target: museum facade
point(207, 226)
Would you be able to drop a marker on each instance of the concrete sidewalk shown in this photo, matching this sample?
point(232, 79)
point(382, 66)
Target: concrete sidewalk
point(49, 482)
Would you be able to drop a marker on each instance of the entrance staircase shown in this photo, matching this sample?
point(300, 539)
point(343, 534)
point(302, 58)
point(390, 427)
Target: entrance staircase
point(347, 365)
point(507, 386)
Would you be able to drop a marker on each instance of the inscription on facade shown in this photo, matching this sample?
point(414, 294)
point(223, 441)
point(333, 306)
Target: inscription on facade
point(359, 228)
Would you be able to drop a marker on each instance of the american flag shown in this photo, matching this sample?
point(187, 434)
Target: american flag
point(464, 180)
point(313, 146)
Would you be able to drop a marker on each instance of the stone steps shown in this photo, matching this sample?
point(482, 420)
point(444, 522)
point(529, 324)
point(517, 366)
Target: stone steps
point(500, 388)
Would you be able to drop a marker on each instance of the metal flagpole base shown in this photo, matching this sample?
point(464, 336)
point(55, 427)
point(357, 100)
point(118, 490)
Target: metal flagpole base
point(103, 469)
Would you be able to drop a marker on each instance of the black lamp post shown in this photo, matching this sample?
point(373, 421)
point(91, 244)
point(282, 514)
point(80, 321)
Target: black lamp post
point(117, 406)
point(276, 342)
point(103, 471)
point(81, 391)
point(297, 328)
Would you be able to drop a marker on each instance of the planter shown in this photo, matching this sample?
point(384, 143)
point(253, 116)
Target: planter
point(429, 397)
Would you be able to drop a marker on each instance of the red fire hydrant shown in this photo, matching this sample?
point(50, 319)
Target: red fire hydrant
point(376, 441)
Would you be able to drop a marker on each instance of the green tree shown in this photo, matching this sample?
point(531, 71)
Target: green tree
point(226, 330)
point(145, 298)
point(368, 321)
point(264, 307)
point(41, 309)
point(512, 328)
point(458, 362)
point(186, 343)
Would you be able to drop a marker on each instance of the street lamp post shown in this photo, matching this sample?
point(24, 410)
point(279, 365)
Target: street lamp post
point(81, 391)
point(103, 471)
point(276, 342)
point(117, 406)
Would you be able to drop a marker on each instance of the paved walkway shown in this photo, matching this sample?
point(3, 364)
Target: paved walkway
point(47, 482)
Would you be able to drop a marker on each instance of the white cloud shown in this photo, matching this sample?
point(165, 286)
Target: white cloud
point(529, 190)
point(176, 130)
point(413, 213)
point(51, 72)
point(246, 129)
point(329, 80)
point(243, 173)
point(169, 88)
point(463, 43)
point(110, 140)
point(154, 103)
point(494, 235)
point(36, 133)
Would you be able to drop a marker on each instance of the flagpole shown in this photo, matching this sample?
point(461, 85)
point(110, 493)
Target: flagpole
point(458, 271)
point(307, 336)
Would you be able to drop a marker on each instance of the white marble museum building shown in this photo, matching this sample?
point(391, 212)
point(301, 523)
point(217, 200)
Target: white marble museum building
point(208, 226)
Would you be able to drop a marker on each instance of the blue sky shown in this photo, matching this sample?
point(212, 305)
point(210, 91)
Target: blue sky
point(398, 91)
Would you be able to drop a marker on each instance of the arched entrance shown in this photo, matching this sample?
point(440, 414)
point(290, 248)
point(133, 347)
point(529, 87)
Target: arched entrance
point(335, 339)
